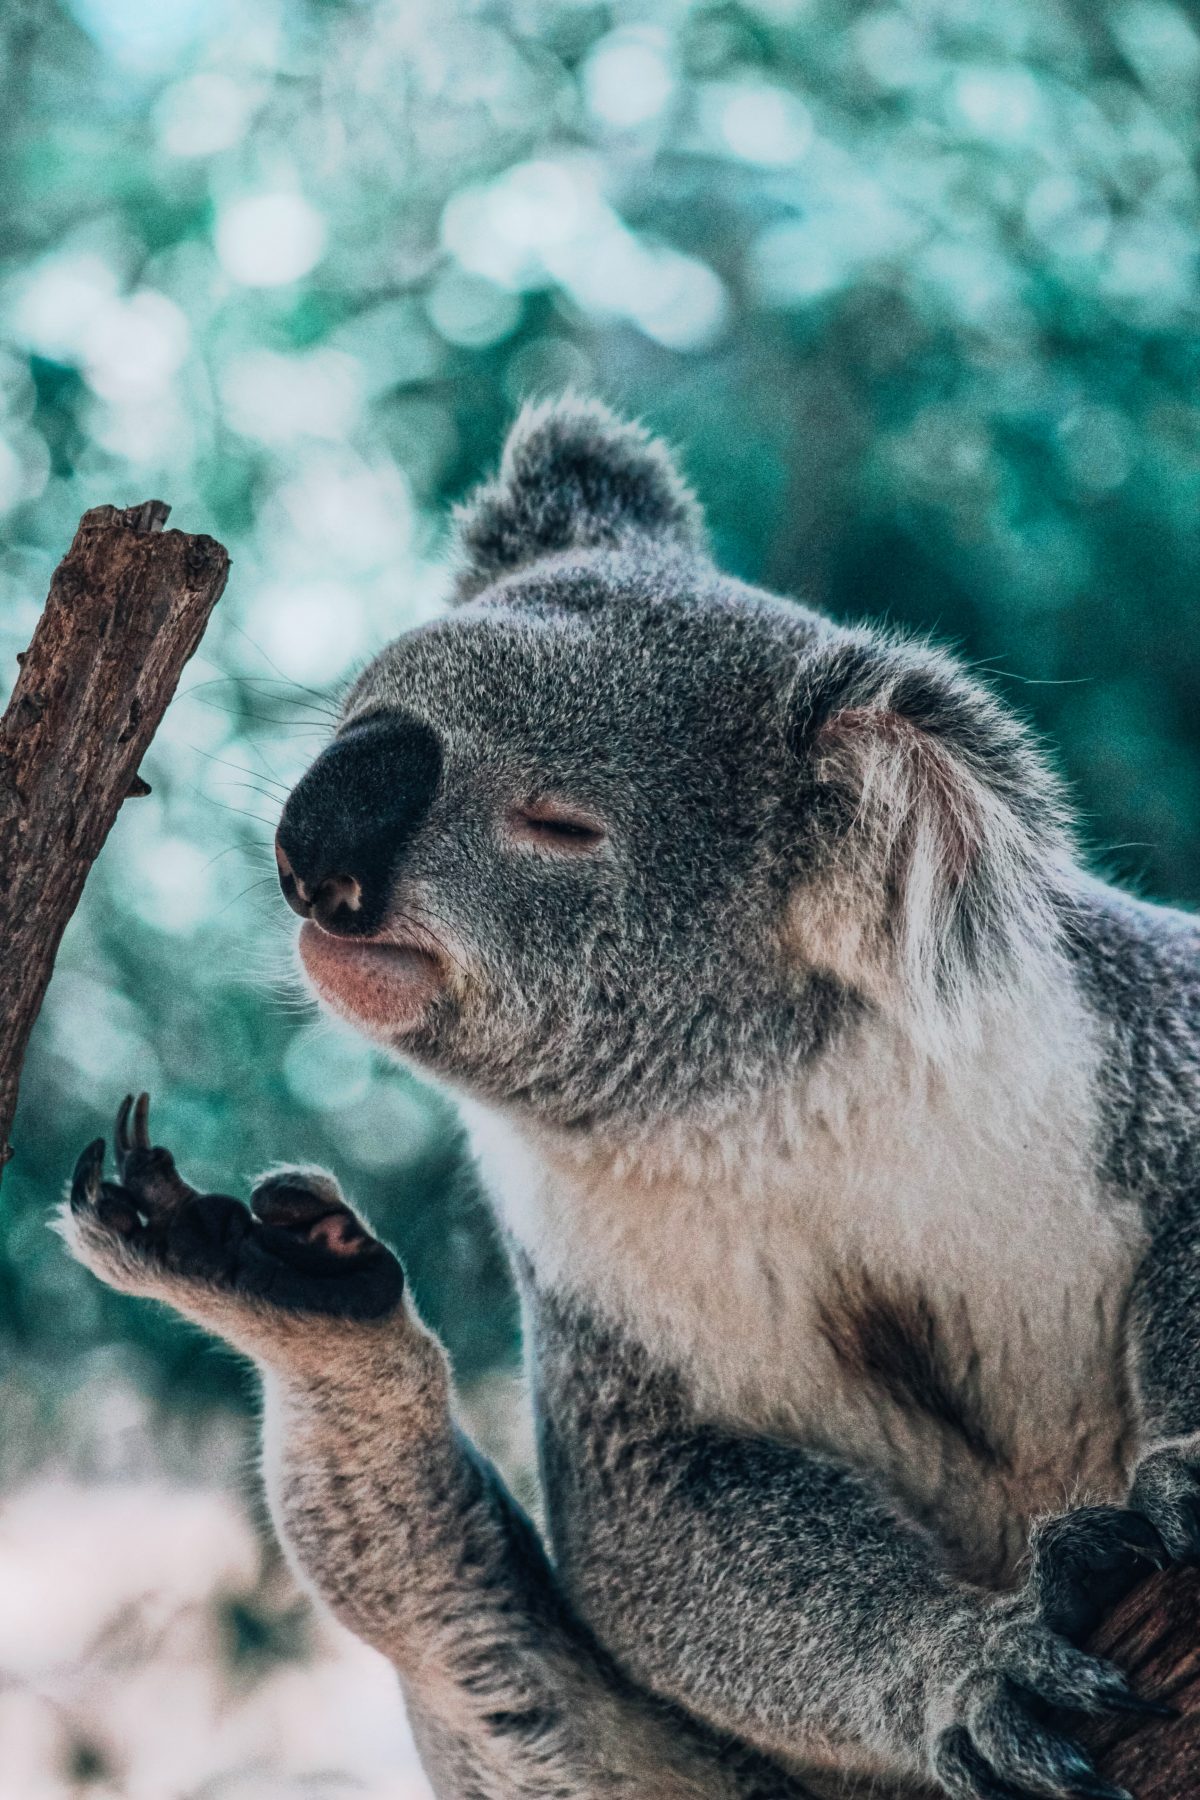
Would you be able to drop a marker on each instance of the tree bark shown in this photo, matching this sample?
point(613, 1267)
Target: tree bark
point(1154, 1635)
point(128, 605)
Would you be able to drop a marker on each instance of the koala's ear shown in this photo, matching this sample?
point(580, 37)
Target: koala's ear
point(934, 836)
point(572, 475)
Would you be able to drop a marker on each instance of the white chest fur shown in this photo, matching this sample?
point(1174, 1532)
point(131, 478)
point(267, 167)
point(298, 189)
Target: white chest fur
point(971, 1186)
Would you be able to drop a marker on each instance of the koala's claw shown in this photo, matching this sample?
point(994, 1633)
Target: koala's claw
point(299, 1247)
point(90, 1193)
point(999, 1740)
point(122, 1142)
point(1084, 1562)
point(964, 1771)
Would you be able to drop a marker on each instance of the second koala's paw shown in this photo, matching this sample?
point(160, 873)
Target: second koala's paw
point(298, 1247)
point(1084, 1562)
point(997, 1739)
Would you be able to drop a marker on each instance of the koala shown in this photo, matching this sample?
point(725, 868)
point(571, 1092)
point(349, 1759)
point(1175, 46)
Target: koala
point(842, 1129)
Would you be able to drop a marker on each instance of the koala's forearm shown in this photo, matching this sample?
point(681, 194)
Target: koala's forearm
point(374, 1497)
point(771, 1593)
point(413, 1542)
point(1165, 1344)
point(1165, 1321)
point(411, 1539)
point(767, 1589)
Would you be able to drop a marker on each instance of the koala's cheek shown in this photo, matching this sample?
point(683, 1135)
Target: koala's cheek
point(382, 987)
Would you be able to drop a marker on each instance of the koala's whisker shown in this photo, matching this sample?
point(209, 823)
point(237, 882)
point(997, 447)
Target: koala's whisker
point(319, 703)
point(276, 977)
point(281, 979)
point(260, 881)
point(257, 750)
point(254, 850)
point(290, 723)
point(287, 681)
point(252, 787)
point(277, 985)
point(224, 763)
point(421, 925)
point(296, 1005)
point(241, 811)
point(322, 711)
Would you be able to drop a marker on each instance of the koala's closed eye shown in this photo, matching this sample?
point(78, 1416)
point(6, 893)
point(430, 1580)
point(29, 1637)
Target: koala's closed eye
point(555, 826)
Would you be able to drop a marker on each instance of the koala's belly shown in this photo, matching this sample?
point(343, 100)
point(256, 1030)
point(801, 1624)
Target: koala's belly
point(976, 1432)
point(976, 1422)
point(954, 1328)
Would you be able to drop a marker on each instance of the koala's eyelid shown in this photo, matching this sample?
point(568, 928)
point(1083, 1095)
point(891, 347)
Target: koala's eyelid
point(556, 822)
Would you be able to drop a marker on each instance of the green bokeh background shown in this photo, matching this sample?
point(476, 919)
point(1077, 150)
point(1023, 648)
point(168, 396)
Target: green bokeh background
point(913, 286)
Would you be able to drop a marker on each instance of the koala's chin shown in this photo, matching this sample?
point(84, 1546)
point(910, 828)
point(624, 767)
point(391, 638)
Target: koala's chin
point(383, 987)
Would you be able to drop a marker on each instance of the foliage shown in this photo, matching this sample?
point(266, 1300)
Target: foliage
point(913, 284)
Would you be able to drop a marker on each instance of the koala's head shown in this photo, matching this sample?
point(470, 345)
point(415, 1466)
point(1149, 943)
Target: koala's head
point(621, 837)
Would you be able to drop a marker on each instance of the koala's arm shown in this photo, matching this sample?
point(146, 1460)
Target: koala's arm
point(1140, 968)
point(1165, 1339)
point(1154, 1010)
point(777, 1594)
point(387, 1512)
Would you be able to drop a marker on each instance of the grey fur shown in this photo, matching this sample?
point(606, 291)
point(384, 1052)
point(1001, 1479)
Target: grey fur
point(568, 482)
point(843, 1129)
point(421, 1551)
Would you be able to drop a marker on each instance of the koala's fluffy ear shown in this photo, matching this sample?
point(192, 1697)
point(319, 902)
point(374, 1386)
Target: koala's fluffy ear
point(572, 475)
point(933, 833)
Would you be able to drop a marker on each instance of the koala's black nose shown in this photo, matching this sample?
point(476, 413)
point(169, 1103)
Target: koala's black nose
point(347, 824)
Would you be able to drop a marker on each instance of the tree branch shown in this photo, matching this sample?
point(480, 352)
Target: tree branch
point(1154, 1635)
point(127, 607)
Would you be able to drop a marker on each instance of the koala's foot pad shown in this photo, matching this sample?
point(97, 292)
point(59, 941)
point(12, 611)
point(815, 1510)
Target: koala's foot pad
point(298, 1246)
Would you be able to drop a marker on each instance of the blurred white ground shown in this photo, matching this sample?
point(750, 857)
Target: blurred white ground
point(151, 1650)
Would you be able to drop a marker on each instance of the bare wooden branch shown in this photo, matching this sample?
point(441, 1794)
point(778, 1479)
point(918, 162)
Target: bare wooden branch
point(1154, 1635)
point(127, 607)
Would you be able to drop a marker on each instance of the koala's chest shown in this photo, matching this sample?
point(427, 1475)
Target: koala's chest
point(943, 1308)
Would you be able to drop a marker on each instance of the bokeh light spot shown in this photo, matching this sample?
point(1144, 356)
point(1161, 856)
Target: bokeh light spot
point(326, 1069)
point(628, 79)
point(278, 398)
point(310, 631)
point(764, 124)
point(175, 884)
point(472, 311)
point(133, 347)
point(265, 240)
point(52, 305)
point(203, 114)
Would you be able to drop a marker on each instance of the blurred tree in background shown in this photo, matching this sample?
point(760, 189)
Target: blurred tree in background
point(912, 284)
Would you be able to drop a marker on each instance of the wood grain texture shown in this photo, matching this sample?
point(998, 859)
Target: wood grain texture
point(128, 605)
point(1154, 1635)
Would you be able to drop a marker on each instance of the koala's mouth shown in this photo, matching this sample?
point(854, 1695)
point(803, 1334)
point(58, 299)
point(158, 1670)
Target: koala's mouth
point(378, 983)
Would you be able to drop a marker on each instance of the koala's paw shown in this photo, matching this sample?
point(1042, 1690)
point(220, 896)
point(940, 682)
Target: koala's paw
point(1084, 1562)
point(1166, 1488)
point(995, 1739)
point(298, 1247)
